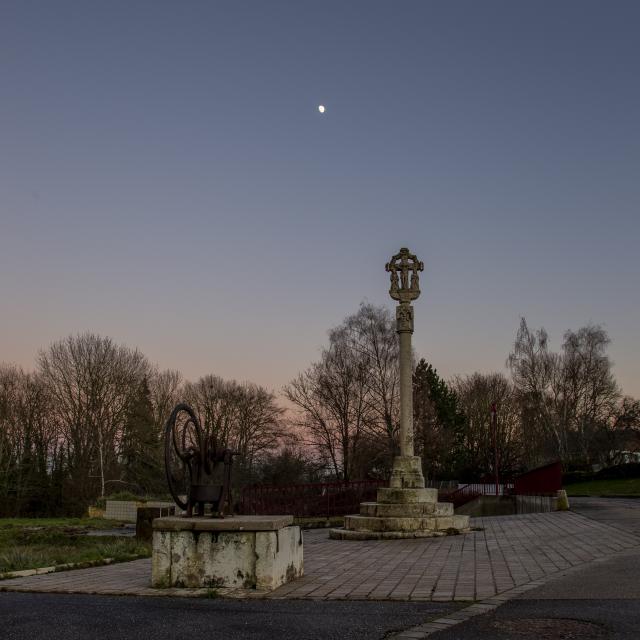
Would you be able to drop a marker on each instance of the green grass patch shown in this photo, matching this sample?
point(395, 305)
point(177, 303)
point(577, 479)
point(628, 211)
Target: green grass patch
point(30, 543)
point(619, 487)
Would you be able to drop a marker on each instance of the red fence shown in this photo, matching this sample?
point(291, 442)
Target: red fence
point(326, 499)
point(320, 499)
point(469, 492)
point(543, 481)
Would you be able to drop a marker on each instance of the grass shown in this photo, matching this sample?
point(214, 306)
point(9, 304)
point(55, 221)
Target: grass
point(85, 523)
point(619, 487)
point(30, 543)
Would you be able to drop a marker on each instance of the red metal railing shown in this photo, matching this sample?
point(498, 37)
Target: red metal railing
point(326, 499)
point(318, 499)
point(468, 492)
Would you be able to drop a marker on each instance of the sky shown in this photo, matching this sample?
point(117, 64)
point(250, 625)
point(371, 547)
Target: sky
point(166, 178)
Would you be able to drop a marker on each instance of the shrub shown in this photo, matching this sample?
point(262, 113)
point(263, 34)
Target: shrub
point(577, 476)
point(630, 470)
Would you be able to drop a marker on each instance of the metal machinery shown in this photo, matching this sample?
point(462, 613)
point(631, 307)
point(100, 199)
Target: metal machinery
point(198, 473)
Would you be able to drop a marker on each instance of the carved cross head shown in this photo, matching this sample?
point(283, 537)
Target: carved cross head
point(405, 283)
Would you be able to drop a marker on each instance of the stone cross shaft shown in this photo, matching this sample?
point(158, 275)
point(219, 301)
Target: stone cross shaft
point(405, 287)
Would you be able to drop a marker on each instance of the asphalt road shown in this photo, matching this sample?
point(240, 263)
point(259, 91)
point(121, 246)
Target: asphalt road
point(623, 513)
point(552, 620)
point(601, 601)
point(39, 616)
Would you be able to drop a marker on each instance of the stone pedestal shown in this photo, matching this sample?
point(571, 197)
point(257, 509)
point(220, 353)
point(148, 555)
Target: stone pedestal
point(249, 552)
point(405, 509)
point(406, 473)
point(402, 513)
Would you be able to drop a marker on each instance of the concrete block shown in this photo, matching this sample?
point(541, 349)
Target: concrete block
point(444, 509)
point(203, 552)
point(562, 503)
point(279, 557)
point(445, 522)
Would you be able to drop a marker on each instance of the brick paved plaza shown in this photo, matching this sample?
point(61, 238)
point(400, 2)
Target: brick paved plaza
point(509, 551)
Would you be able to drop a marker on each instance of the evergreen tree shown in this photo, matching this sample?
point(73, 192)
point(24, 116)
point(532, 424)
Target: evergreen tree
point(141, 446)
point(438, 423)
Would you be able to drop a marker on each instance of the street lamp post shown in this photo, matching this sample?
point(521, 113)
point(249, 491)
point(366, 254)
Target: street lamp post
point(494, 432)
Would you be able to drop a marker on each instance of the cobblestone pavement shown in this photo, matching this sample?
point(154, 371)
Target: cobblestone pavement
point(510, 552)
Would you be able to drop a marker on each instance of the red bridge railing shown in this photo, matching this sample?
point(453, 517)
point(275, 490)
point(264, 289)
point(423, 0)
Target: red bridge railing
point(468, 492)
point(318, 499)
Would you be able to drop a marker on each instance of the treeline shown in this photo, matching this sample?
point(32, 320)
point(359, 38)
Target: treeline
point(89, 420)
point(553, 405)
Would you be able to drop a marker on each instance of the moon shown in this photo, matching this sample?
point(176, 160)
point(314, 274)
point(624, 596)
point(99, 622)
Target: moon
point(321, 108)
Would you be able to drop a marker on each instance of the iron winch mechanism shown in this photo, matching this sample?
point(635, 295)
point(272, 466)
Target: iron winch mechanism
point(198, 473)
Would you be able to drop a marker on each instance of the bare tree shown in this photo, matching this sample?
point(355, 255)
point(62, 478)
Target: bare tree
point(334, 408)
point(371, 335)
point(91, 380)
point(243, 417)
point(216, 402)
point(535, 374)
point(476, 393)
point(165, 390)
point(29, 442)
point(567, 399)
point(259, 428)
point(590, 392)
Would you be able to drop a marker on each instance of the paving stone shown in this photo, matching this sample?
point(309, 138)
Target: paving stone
point(509, 556)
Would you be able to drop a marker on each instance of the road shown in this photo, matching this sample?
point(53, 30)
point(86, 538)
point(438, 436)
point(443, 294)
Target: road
point(40, 616)
point(601, 600)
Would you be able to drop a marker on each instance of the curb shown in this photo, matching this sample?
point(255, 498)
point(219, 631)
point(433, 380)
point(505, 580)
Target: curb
point(25, 573)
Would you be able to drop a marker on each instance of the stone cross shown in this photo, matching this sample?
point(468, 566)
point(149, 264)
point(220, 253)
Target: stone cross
point(404, 262)
point(406, 508)
point(405, 287)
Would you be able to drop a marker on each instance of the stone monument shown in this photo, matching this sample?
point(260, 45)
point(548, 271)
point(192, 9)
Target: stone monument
point(405, 509)
point(208, 547)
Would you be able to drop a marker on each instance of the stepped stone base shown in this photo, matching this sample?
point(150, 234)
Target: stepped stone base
point(411, 510)
point(406, 496)
point(406, 509)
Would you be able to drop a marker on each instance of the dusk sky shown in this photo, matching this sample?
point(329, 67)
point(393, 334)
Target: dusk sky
point(167, 179)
